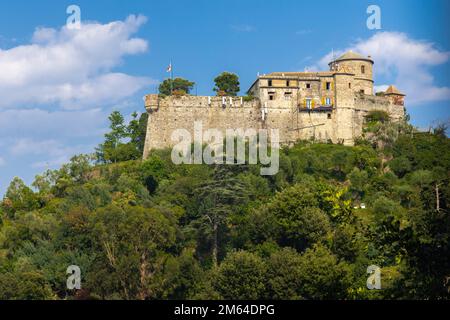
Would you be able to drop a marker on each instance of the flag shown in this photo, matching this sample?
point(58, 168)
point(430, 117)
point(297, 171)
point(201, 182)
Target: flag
point(169, 68)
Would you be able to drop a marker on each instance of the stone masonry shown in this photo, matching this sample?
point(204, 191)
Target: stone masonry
point(324, 106)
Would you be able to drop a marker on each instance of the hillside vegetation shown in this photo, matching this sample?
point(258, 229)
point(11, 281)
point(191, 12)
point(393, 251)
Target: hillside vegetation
point(153, 230)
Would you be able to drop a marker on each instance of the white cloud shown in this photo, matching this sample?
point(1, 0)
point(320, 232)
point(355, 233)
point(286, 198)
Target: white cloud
point(49, 139)
point(72, 68)
point(55, 152)
point(33, 147)
point(57, 91)
point(381, 88)
point(406, 61)
point(43, 123)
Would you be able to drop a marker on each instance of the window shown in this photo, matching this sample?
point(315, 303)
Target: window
point(363, 69)
point(328, 101)
point(308, 86)
point(349, 85)
point(288, 83)
point(328, 85)
point(329, 116)
point(361, 91)
point(308, 103)
point(271, 95)
point(287, 95)
point(269, 83)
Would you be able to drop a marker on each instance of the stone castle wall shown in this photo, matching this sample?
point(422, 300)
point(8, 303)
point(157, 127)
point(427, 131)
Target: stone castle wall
point(339, 125)
point(171, 113)
point(366, 103)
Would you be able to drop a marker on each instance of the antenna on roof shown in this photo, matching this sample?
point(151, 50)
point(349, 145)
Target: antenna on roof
point(334, 65)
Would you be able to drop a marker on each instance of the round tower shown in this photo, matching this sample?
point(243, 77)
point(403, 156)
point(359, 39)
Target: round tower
point(360, 66)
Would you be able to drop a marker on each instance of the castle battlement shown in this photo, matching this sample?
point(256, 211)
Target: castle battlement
point(154, 102)
point(324, 106)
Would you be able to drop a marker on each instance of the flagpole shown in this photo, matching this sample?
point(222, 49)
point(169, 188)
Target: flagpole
point(171, 78)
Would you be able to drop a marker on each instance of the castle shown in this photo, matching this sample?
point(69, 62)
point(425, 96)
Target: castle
point(324, 106)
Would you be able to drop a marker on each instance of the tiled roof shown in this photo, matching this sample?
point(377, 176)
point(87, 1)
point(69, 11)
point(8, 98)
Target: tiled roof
point(393, 90)
point(350, 55)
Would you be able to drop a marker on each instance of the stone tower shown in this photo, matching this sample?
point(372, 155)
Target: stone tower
point(360, 66)
point(395, 96)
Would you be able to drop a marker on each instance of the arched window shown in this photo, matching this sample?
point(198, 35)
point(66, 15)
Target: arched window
point(363, 69)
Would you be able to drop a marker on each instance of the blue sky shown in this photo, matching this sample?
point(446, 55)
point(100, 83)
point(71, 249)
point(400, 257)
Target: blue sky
point(57, 87)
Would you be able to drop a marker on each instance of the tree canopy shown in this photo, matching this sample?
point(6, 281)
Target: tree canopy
point(177, 85)
point(124, 141)
point(227, 84)
point(149, 229)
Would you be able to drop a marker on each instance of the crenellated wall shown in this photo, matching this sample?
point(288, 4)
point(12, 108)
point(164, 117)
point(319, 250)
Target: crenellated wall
point(171, 113)
point(339, 124)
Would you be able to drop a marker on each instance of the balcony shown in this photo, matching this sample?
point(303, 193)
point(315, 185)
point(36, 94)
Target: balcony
point(316, 109)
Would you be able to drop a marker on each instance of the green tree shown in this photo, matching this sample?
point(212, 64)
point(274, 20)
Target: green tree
point(182, 277)
point(377, 116)
point(217, 198)
point(43, 183)
point(137, 130)
point(116, 148)
point(30, 285)
point(133, 242)
point(292, 218)
point(180, 85)
point(340, 161)
point(79, 167)
point(322, 275)
point(227, 84)
point(283, 275)
point(19, 197)
point(108, 151)
point(400, 166)
point(242, 275)
point(427, 244)
point(358, 179)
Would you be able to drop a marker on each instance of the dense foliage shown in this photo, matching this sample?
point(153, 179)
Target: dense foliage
point(154, 230)
point(227, 84)
point(178, 86)
point(124, 142)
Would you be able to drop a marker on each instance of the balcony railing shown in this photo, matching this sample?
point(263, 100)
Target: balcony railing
point(316, 109)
